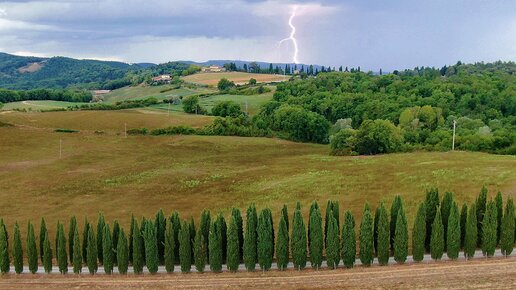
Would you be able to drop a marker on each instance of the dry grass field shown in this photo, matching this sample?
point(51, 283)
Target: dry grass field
point(499, 273)
point(237, 77)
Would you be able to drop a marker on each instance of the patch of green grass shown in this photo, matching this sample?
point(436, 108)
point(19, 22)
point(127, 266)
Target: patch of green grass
point(143, 92)
point(39, 105)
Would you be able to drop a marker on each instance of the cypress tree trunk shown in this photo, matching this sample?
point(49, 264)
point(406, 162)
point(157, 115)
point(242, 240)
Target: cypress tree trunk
point(71, 230)
point(151, 247)
point(401, 237)
point(437, 238)
point(42, 236)
point(333, 244)
point(348, 240)
point(114, 239)
point(185, 251)
point(160, 224)
point(419, 234)
point(215, 248)
point(137, 249)
point(366, 238)
point(453, 237)
point(200, 251)
point(107, 250)
point(169, 248)
point(100, 233)
point(85, 241)
point(77, 253)
point(17, 250)
point(122, 250)
point(233, 246)
point(32, 252)
point(489, 226)
point(92, 253)
point(315, 235)
point(298, 240)
point(250, 239)
point(499, 215)
point(432, 203)
point(508, 228)
point(463, 219)
point(47, 255)
point(383, 235)
point(470, 240)
point(282, 252)
point(62, 258)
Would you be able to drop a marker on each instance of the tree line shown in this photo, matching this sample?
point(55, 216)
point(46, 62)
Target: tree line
point(439, 227)
point(7, 96)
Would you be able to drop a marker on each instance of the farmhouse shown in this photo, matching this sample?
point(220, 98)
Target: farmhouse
point(162, 79)
point(213, 68)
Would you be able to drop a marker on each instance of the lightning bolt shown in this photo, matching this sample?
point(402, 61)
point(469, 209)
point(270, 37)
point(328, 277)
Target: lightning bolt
point(292, 35)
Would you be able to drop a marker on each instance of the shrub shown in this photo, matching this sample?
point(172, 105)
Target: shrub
point(62, 130)
point(343, 142)
point(137, 131)
point(378, 136)
point(226, 109)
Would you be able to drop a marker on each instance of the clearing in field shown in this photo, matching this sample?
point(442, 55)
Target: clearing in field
point(237, 77)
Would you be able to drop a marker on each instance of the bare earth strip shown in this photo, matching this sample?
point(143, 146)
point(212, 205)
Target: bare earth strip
point(493, 273)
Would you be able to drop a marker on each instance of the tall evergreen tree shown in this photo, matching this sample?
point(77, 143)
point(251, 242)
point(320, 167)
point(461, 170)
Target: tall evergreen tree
point(284, 214)
point(366, 237)
point(375, 230)
point(193, 232)
point(298, 242)
point(77, 252)
point(71, 231)
point(348, 240)
point(446, 205)
point(91, 252)
point(282, 251)
point(62, 258)
point(32, 252)
point(130, 238)
point(137, 249)
point(235, 212)
point(185, 250)
point(101, 222)
point(175, 222)
point(481, 204)
point(499, 207)
point(233, 246)
point(419, 234)
point(17, 250)
point(383, 235)
point(107, 250)
point(453, 235)
point(508, 228)
point(122, 250)
point(431, 205)
point(114, 238)
point(222, 228)
point(200, 251)
point(215, 244)
point(437, 238)
point(169, 248)
point(151, 247)
point(470, 239)
point(205, 228)
point(315, 236)
point(160, 224)
point(265, 245)
point(43, 232)
point(401, 237)
point(47, 255)
point(489, 226)
point(250, 254)
point(395, 207)
point(333, 244)
point(333, 208)
point(463, 219)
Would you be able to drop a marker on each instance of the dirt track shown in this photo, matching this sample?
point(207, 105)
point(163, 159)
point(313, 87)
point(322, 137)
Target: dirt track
point(499, 273)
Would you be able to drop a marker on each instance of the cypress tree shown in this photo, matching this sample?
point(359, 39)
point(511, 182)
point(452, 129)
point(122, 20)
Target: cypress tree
point(453, 236)
point(315, 236)
point(499, 207)
point(268, 214)
point(100, 232)
point(383, 235)
point(395, 207)
point(333, 244)
point(143, 225)
point(200, 251)
point(298, 242)
point(215, 246)
point(32, 252)
point(205, 228)
point(130, 238)
point(431, 205)
point(47, 255)
point(401, 237)
point(375, 231)
point(107, 250)
point(250, 254)
point(151, 247)
point(71, 231)
point(185, 250)
point(62, 258)
point(481, 204)
point(235, 213)
point(348, 240)
point(122, 250)
point(284, 213)
point(419, 234)
point(169, 248)
point(446, 205)
point(42, 236)
point(92, 253)
point(175, 222)
point(85, 241)
point(463, 219)
point(193, 231)
point(282, 251)
point(437, 238)
point(114, 240)
point(160, 223)
point(77, 252)
point(137, 249)
point(222, 228)
point(489, 226)
point(265, 246)
point(470, 239)
point(17, 250)
point(233, 246)
point(332, 207)
point(366, 237)
point(507, 229)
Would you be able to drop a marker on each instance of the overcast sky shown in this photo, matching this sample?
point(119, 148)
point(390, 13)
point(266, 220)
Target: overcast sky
point(373, 34)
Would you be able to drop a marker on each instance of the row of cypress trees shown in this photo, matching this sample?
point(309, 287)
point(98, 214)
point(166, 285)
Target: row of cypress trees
point(439, 227)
